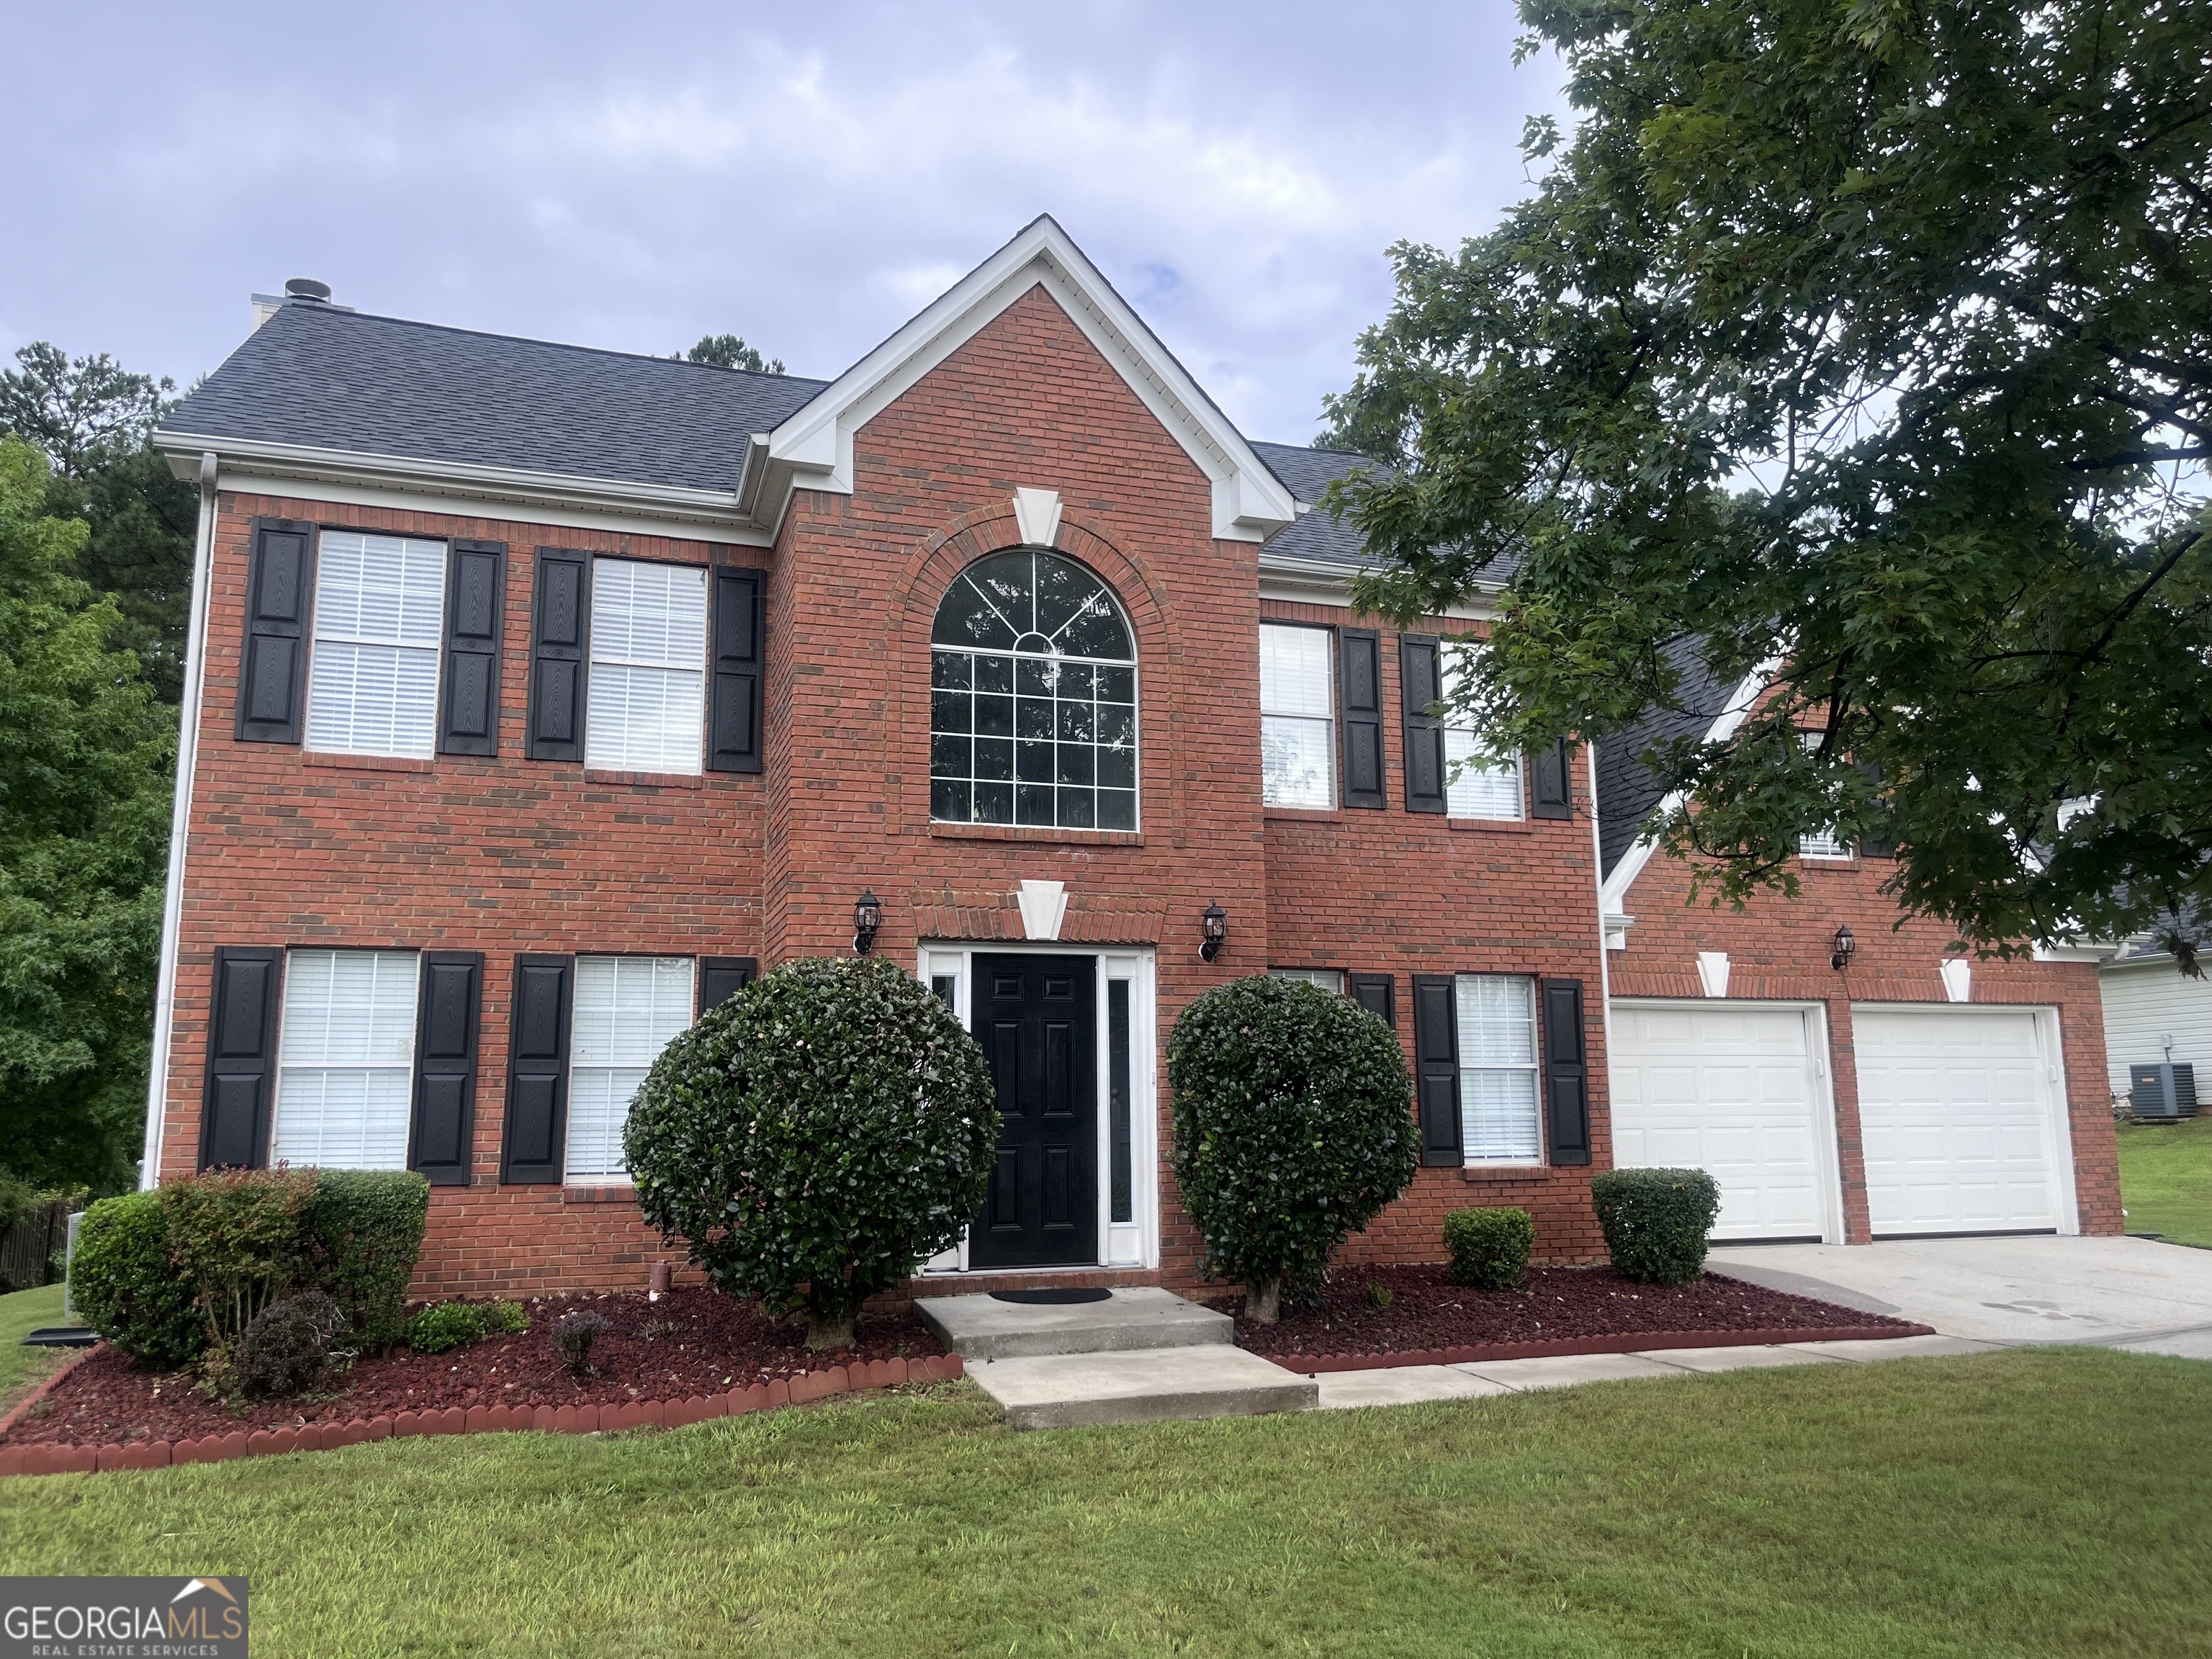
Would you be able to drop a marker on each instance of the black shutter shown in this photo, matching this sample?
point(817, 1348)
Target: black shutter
point(445, 1066)
point(560, 636)
point(475, 606)
point(538, 1071)
point(1436, 1069)
point(1551, 783)
point(733, 696)
point(1361, 673)
point(272, 669)
point(721, 978)
point(1378, 994)
point(242, 1058)
point(1420, 678)
point(1566, 1077)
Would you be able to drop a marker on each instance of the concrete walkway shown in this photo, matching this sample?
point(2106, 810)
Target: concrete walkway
point(2133, 1293)
point(1405, 1385)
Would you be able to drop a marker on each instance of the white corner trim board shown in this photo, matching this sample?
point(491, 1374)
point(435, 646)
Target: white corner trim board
point(1713, 972)
point(1036, 515)
point(1044, 906)
point(1958, 978)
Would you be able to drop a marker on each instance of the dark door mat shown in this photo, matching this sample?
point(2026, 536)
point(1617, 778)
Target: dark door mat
point(61, 1336)
point(1052, 1299)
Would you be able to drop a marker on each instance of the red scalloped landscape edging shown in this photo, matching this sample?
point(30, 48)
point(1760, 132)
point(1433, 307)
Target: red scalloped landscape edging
point(51, 1459)
point(1312, 1364)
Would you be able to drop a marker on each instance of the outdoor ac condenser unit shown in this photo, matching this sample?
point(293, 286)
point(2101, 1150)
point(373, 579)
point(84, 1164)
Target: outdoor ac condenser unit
point(2163, 1091)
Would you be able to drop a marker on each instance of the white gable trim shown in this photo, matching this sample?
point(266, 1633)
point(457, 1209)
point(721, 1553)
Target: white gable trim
point(1613, 893)
point(813, 449)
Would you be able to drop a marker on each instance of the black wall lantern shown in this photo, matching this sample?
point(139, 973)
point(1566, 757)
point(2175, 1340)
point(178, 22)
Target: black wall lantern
point(1214, 925)
point(868, 918)
point(1845, 944)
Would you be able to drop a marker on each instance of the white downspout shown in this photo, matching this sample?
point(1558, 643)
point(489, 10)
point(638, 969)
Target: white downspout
point(180, 818)
point(1604, 951)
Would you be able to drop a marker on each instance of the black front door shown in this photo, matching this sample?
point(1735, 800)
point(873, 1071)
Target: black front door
point(1037, 1020)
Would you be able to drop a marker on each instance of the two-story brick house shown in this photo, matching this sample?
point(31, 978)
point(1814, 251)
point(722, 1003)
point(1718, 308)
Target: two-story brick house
point(540, 696)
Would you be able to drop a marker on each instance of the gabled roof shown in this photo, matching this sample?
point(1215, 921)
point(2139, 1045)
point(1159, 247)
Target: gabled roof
point(813, 447)
point(384, 393)
point(1627, 791)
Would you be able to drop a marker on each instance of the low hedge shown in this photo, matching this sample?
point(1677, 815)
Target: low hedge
point(1490, 1248)
point(166, 1275)
point(449, 1325)
point(1655, 1221)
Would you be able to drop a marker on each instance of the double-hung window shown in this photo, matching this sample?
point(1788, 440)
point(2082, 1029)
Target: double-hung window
point(1822, 843)
point(373, 678)
point(1490, 790)
point(1330, 980)
point(627, 1009)
point(1297, 716)
point(346, 1059)
point(649, 669)
point(1496, 1018)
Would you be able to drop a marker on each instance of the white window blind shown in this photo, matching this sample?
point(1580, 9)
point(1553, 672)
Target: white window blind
point(1472, 793)
point(346, 1059)
point(1330, 980)
point(627, 1009)
point(1821, 844)
point(373, 678)
point(1297, 717)
point(1497, 1068)
point(648, 680)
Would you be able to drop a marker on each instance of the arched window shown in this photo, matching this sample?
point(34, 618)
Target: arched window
point(1033, 698)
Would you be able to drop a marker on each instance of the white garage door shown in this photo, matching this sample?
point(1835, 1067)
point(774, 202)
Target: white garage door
point(1956, 1117)
point(1729, 1088)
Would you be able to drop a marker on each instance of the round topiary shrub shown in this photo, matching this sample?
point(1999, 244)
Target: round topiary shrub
point(122, 1285)
point(1293, 1126)
point(1490, 1248)
point(1655, 1221)
point(815, 1138)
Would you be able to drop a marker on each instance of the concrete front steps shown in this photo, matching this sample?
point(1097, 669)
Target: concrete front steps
point(1142, 1355)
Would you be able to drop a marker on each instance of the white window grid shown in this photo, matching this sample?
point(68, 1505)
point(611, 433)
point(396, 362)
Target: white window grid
point(345, 1066)
point(647, 700)
point(1492, 790)
point(626, 1011)
point(1499, 1120)
point(1297, 716)
point(372, 671)
point(1024, 737)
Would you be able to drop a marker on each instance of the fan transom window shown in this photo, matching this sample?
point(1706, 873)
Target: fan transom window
point(1033, 698)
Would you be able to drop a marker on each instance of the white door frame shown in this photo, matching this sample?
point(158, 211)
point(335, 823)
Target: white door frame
point(1826, 1150)
point(1134, 1243)
point(2051, 1052)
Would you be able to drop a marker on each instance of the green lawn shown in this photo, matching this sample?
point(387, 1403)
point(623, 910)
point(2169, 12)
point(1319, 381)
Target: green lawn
point(2165, 1179)
point(20, 1314)
point(2007, 1504)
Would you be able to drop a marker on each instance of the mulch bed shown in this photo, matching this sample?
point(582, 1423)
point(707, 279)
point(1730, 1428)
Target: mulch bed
point(692, 1341)
point(1428, 1312)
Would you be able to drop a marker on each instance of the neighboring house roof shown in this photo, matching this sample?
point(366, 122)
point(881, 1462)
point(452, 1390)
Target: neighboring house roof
point(1627, 791)
point(321, 377)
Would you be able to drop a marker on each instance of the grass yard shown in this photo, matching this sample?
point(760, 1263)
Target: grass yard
point(2007, 1504)
point(2165, 1179)
point(20, 1314)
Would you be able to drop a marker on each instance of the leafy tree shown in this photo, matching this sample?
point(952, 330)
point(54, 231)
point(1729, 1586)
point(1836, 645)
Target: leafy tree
point(91, 418)
point(1874, 342)
point(86, 753)
point(730, 351)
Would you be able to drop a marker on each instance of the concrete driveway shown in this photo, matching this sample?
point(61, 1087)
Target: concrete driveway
point(2114, 1293)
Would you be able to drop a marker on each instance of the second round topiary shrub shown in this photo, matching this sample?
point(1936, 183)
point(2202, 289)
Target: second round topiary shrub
point(1294, 1127)
point(1490, 1248)
point(122, 1285)
point(1655, 1221)
point(814, 1139)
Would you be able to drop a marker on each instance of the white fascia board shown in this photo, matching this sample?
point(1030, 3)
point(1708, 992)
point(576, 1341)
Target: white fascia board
point(622, 502)
point(816, 443)
point(1613, 894)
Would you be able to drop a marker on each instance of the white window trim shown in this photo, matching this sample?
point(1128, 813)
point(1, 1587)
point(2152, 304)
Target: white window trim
point(593, 661)
point(622, 1178)
point(1135, 1243)
point(414, 1040)
point(1333, 722)
point(1449, 726)
point(317, 638)
point(1313, 976)
point(1534, 1068)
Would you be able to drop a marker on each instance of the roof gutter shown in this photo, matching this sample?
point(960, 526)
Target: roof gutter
point(265, 458)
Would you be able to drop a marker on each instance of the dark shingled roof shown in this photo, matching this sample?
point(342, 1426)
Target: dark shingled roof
point(342, 380)
point(1625, 788)
point(1319, 537)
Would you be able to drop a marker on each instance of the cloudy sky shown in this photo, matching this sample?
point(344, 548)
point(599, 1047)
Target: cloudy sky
point(633, 176)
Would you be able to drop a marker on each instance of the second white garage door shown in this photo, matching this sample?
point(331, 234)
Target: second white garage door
point(1956, 1116)
point(1731, 1088)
